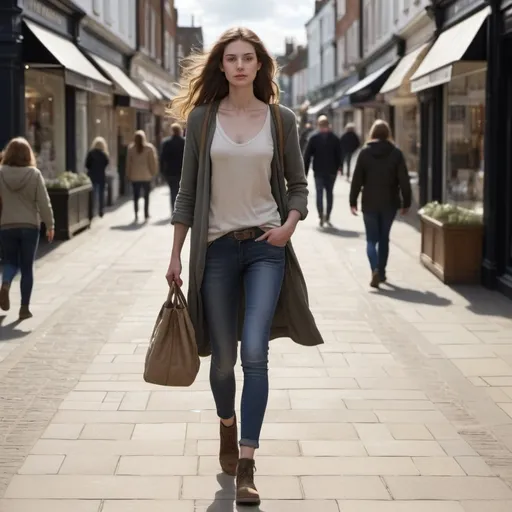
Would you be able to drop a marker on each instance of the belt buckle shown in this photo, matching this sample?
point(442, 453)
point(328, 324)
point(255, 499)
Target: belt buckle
point(244, 234)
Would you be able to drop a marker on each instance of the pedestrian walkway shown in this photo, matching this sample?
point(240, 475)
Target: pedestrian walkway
point(406, 408)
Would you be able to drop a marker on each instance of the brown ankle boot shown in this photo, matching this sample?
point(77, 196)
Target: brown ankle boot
point(25, 313)
point(5, 303)
point(228, 455)
point(246, 492)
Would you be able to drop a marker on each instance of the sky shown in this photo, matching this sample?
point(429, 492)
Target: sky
point(272, 20)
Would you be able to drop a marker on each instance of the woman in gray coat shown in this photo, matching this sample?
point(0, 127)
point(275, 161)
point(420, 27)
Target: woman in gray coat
point(243, 190)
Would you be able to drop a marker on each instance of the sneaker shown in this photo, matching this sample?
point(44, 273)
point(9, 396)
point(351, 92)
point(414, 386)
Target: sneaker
point(228, 455)
point(25, 313)
point(374, 283)
point(5, 303)
point(246, 492)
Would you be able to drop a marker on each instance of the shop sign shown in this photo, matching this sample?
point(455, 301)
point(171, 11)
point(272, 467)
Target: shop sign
point(437, 77)
point(46, 13)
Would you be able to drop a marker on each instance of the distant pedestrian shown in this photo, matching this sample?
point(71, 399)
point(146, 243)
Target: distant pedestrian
point(304, 137)
point(382, 174)
point(141, 168)
point(96, 163)
point(350, 143)
point(243, 190)
point(24, 201)
point(325, 150)
point(171, 160)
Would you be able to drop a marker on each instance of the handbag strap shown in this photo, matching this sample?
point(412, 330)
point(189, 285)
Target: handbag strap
point(280, 133)
point(175, 297)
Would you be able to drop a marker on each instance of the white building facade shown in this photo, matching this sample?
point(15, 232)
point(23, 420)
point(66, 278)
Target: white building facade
point(112, 18)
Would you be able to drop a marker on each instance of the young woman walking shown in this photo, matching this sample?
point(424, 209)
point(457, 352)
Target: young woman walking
point(24, 202)
point(96, 163)
point(382, 174)
point(243, 202)
point(141, 168)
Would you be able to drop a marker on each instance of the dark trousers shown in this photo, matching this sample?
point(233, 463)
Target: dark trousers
point(98, 197)
point(348, 160)
point(324, 182)
point(19, 246)
point(141, 188)
point(378, 226)
point(174, 186)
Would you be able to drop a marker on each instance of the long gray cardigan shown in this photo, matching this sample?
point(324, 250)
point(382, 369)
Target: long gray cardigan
point(293, 318)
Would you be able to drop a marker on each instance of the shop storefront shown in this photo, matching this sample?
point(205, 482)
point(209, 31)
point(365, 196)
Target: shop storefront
point(47, 79)
point(342, 111)
point(396, 92)
point(365, 94)
point(158, 86)
point(451, 86)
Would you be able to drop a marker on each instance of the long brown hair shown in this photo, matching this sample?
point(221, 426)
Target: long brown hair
point(139, 140)
point(18, 153)
point(203, 81)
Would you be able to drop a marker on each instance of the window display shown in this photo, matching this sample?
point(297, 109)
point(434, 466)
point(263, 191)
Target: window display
point(101, 123)
point(81, 135)
point(45, 120)
point(407, 134)
point(465, 117)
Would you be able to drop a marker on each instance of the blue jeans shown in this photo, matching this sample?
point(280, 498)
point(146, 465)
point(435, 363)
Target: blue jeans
point(258, 267)
point(324, 182)
point(19, 246)
point(378, 226)
point(141, 188)
point(99, 197)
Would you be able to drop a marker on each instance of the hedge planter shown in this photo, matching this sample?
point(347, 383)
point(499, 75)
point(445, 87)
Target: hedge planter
point(452, 252)
point(71, 209)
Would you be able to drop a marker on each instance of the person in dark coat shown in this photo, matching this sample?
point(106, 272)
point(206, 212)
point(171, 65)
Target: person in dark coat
point(381, 173)
point(325, 150)
point(304, 137)
point(96, 163)
point(171, 160)
point(350, 143)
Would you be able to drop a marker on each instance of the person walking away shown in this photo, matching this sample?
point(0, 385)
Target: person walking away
point(141, 168)
point(350, 143)
point(24, 201)
point(96, 163)
point(325, 150)
point(171, 160)
point(304, 137)
point(382, 174)
point(243, 202)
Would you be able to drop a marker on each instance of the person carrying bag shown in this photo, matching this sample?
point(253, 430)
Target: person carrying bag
point(172, 358)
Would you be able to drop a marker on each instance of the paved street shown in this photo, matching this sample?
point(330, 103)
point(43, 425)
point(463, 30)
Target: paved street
point(406, 408)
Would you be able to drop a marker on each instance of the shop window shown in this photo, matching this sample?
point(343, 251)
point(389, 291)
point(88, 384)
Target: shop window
point(464, 164)
point(100, 123)
point(45, 120)
point(81, 135)
point(407, 134)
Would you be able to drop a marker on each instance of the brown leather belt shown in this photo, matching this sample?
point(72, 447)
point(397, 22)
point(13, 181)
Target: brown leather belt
point(245, 234)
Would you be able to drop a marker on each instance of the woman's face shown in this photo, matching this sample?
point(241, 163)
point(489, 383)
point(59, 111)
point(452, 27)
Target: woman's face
point(240, 64)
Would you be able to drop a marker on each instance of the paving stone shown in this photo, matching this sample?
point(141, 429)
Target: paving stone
point(41, 465)
point(148, 506)
point(409, 432)
point(22, 505)
point(332, 449)
point(89, 464)
point(276, 448)
point(438, 466)
point(162, 431)
point(404, 506)
point(474, 466)
point(344, 488)
point(456, 488)
point(111, 431)
point(63, 431)
point(157, 466)
point(271, 506)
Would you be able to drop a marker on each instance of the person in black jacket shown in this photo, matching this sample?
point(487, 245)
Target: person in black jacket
point(382, 174)
point(96, 163)
point(171, 160)
point(349, 145)
point(325, 150)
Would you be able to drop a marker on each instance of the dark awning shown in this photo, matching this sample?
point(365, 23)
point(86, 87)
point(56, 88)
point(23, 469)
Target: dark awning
point(367, 88)
point(78, 71)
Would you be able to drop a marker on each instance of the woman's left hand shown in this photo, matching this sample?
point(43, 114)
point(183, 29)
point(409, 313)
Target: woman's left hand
point(277, 236)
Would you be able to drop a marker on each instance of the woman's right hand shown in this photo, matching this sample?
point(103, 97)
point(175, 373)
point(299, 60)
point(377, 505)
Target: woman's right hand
point(174, 271)
point(50, 234)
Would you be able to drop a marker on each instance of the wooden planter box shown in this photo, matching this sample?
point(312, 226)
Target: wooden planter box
point(452, 252)
point(71, 209)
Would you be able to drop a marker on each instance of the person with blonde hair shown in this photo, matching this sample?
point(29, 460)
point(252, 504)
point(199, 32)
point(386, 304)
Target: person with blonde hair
point(96, 163)
point(381, 173)
point(171, 160)
point(243, 190)
point(24, 201)
point(141, 168)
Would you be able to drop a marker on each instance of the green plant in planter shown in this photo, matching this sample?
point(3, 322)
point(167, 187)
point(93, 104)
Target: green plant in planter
point(451, 214)
point(68, 180)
